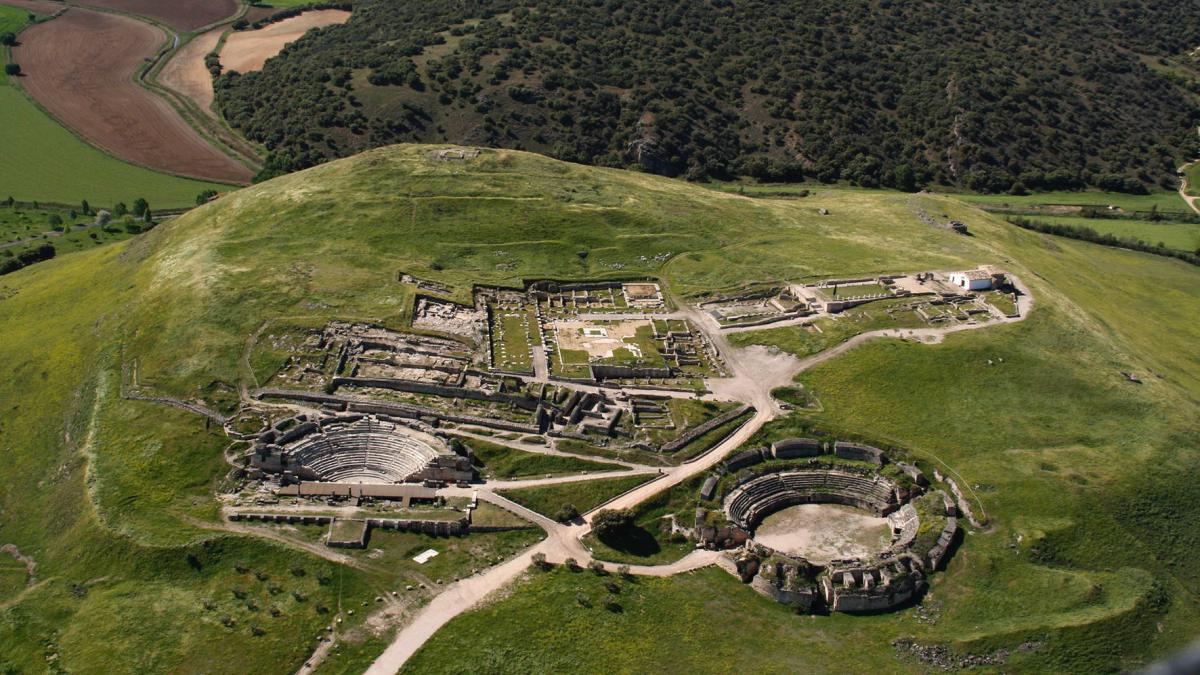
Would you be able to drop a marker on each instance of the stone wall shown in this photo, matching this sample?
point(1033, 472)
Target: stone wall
point(791, 448)
point(604, 372)
point(701, 429)
point(412, 386)
point(861, 453)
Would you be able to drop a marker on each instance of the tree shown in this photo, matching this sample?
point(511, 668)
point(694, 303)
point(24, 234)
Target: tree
point(205, 197)
point(597, 567)
point(611, 522)
point(55, 220)
point(8, 39)
point(904, 178)
point(85, 207)
point(566, 513)
point(12, 69)
point(140, 207)
point(120, 209)
point(539, 561)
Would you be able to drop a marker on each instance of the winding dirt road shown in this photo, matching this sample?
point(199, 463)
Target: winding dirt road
point(1183, 188)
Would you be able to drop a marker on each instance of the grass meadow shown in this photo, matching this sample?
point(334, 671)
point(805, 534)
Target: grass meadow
point(1088, 557)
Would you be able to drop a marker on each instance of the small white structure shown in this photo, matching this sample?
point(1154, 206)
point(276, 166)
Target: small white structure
point(972, 280)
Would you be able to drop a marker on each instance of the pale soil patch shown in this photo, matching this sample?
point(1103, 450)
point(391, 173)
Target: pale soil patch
point(187, 74)
point(247, 51)
point(599, 341)
point(824, 532)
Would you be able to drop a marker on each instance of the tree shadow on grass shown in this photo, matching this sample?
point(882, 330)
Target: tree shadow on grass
point(634, 541)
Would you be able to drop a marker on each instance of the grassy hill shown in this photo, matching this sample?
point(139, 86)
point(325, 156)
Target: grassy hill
point(871, 91)
point(1083, 475)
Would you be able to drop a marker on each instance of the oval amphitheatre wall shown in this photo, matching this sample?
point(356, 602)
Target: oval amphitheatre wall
point(827, 526)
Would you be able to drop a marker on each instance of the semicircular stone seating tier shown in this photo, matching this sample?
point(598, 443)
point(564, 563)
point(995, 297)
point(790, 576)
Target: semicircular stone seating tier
point(367, 450)
point(754, 500)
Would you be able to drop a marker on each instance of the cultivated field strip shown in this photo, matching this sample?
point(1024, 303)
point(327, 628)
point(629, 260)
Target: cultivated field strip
point(80, 67)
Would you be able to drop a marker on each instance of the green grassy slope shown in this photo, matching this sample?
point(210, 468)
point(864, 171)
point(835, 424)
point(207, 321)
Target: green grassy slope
point(106, 494)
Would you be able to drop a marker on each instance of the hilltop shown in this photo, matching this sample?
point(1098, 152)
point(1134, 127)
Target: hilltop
point(1088, 554)
point(990, 97)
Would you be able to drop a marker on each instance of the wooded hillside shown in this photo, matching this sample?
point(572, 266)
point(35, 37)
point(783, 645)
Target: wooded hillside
point(983, 95)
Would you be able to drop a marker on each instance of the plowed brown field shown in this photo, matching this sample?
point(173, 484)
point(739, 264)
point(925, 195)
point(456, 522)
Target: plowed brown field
point(44, 7)
point(80, 68)
point(246, 51)
point(187, 74)
point(185, 15)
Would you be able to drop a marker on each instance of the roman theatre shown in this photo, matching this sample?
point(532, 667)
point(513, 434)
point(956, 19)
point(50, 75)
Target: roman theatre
point(364, 454)
point(827, 526)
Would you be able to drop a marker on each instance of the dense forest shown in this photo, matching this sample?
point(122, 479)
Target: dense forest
point(1003, 95)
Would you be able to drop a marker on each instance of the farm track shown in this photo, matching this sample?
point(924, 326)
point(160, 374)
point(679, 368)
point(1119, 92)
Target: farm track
point(80, 68)
point(1184, 187)
point(186, 74)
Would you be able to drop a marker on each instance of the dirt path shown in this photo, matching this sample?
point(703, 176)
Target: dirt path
point(247, 51)
point(1183, 188)
point(186, 73)
point(80, 67)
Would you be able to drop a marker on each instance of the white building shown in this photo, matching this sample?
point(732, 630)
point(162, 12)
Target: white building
point(972, 280)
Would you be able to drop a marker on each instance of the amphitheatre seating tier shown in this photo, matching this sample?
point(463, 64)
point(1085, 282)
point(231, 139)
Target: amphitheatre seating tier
point(365, 450)
point(750, 502)
point(905, 523)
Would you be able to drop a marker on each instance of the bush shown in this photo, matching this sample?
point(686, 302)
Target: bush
point(597, 567)
point(572, 564)
point(566, 513)
point(12, 69)
point(539, 561)
point(609, 523)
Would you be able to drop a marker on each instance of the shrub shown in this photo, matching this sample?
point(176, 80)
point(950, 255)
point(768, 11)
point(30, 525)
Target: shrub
point(572, 564)
point(597, 567)
point(539, 561)
point(612, 522)
point(566, 513)
point(12, 69)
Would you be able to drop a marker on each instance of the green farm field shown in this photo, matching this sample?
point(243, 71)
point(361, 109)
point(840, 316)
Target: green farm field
point(1084, 477)
point(1178, 236)
point(1162, 200)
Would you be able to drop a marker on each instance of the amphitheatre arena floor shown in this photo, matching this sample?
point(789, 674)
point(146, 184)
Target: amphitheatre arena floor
point(247, 51)
point(187, 74)
point(186, 15)
point(824, 532)
point(80, 68)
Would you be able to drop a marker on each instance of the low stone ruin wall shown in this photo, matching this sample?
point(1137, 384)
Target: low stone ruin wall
point(402, 410)
point(699, 430)
point(412, 386)
point(603, 372)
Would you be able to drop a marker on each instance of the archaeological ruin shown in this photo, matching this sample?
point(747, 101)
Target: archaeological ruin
point(753, 484)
